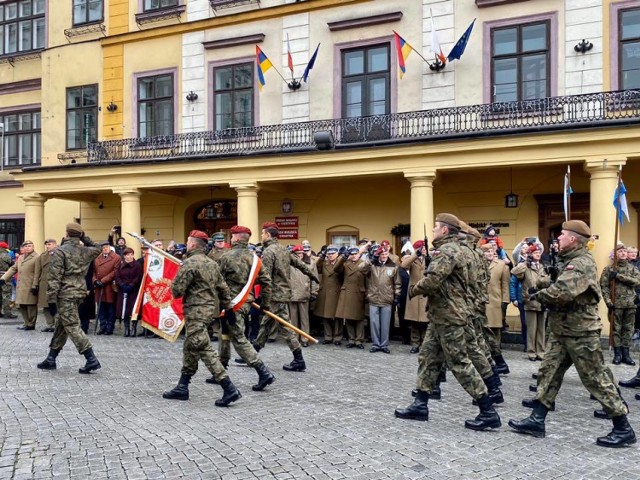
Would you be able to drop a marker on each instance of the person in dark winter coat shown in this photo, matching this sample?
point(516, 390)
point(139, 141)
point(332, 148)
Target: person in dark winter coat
point(128, 279)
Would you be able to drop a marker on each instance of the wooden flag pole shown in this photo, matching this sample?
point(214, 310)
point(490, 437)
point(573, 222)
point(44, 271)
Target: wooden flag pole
point(285, 323)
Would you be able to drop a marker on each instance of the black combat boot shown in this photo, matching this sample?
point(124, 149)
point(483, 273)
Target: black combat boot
point(621, 435)
point(532, 402)
point(230, 393)
point(495, 370)
point(442, 377)
point(297, 365)
point(134, 328)
point(494, 391)
point(533, 424)
point(181, 391)
point(418, 410)
point(632, 382)
point(626, 358)
point(265, 377)
point(92, 362)
point(436, 393)
point(637, 396)
point(127, 327)
point(501, 365)
point(534, 376)
point(601, 413)
point(617, 355)
point(533, 387)
point(487, 418)
point(49, 363)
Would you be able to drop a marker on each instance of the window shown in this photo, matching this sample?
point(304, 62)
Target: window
point(629, 49)
point(21, 146)
point(155, 105)
point(82, 116)
point(159, 4)
point(233, 96)
point(22, 26)
point(520, 62)
point(87, 11)
point(12, 231)
point(365, 81)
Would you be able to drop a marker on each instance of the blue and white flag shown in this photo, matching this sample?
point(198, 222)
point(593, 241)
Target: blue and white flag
point(620, 203)
point(567, 192)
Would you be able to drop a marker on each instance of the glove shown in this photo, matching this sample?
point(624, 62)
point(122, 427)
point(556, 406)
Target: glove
point(34, 290)
point(98, 284)
point(342, 251)
point(2, 282)
point(323, 251)
point(265, 306)
point(53, 309)
point(553, 273)
point(613, 274)
point(126, 288)
point(230, 316)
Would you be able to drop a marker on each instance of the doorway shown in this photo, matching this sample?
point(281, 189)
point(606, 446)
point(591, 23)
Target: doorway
point(217, 216)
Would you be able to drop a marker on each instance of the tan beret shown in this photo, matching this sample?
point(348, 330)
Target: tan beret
point(464, 228)
point(620, 246)
point(487, 246)
point(448, 219)
point(475, 233)
point(577, 226)
point(74, 229)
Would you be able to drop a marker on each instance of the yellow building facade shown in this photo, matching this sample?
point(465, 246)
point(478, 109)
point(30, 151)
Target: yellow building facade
point(185, 139)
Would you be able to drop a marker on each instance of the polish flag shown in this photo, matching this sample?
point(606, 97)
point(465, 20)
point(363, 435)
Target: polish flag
point(159, 311)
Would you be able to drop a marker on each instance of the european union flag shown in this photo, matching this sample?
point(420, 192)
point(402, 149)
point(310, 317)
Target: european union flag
point(458, 48)
point(310, 65)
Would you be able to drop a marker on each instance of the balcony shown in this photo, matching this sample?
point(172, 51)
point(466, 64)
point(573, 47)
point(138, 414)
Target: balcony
point(545, 115)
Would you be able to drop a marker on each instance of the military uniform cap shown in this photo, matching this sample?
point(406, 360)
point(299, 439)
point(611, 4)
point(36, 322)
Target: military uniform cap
point(486, 247)
point(353, 250)
point(418, 244)
point(474, 233)
point(385, 242)
point(74, 229)
point(199, 234)
point(464, 227)
point(297, 248)
point(103, 243)
point(577, 226)
point(240, 229)
point(448, 219)
point(620, 246)
point(267, 225)
point(306, 247)
point(332, 249)
point(217, 237)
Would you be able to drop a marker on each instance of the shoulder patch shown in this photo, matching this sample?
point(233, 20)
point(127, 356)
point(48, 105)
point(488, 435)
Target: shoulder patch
point(569, 267)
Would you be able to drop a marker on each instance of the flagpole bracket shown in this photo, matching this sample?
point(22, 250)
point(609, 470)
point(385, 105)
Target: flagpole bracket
point(437, 65)
point(294, 85)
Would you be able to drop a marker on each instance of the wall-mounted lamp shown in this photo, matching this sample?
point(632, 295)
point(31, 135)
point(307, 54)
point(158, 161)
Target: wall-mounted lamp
point(437, 65)
point(192, 96)
point(583, 47)
point(323, 139)
point(294, 85)
point(112, 107)
point(101, 205)
point(511, 199)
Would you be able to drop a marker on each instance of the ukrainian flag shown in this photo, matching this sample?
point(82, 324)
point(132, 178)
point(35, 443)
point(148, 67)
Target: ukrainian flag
point(263, 64)
point(403, 49)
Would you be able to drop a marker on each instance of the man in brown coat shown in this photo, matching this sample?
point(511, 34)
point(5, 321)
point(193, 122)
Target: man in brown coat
point(498, 289)
point(352, 296)
point(104, 273)
point(331, 268)
point(40, 283)
point(25, 268)
point(416, 309)
point(302, 291)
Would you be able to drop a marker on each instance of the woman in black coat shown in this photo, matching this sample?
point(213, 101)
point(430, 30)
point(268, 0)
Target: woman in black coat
point(127, 279)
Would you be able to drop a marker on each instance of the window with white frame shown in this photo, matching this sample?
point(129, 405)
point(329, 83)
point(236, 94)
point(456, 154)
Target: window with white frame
point(629, 49)
point(22, 26)
point(233, 96)
point(20, 138)
point(87, 11)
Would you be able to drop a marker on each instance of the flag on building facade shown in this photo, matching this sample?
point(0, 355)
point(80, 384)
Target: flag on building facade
point(262, 65)
point(461, 44)
point(435, 43)
point(310, 65)
point(403, 50)
point(620, 203)
point(567, 192)
point(155, 306)
point(289, 57)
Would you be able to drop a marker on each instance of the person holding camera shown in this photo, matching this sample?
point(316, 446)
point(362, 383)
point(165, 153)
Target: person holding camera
point(120, 244)
point(623, 279)
point(530, 273)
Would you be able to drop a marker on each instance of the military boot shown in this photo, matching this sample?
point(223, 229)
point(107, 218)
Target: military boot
point(436, 393)
point(230, 393)
point(621, 435)
point(626, 358)
point(533, 424)
point(632, 382)
point(134, 328)
point(531, 403)
point(297, 365)
point(418, 410)
point(617, 355)
point(127, 327)
point(494, 391)
point(637, 396)
point(49, 363)
point(92, 362)
point(442, 377)
point(501, 365)
point(601, 413)
point(181, 391)
point(265, 377)
point(487, 418)
point(534, 376)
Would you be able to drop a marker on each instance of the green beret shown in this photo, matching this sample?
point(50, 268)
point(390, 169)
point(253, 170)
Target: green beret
point(577, 226)
point(74, 230)
point(448, 219)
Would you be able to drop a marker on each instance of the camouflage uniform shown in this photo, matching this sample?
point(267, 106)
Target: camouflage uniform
point(67, 288)
point(626, 281)
point(203, 292)
point(235, 267)
point(575, 332)
point(5, 264)
point(214, 327)
point(446, 284)
point(276, 260)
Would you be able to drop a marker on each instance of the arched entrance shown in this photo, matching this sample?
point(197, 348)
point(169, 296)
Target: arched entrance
point(216, 216)
point(551, 213)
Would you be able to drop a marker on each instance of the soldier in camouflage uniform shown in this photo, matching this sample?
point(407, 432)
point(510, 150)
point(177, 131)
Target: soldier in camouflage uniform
point(203, 291)
point(446, 285)
point(574, 339)
point(66, 289)
point(215, 254)
point(626, 278)
point(276, 261)
point(5, 264)
point(235, 267)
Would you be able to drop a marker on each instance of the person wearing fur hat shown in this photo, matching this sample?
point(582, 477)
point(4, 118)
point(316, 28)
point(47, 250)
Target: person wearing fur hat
point(5, 264)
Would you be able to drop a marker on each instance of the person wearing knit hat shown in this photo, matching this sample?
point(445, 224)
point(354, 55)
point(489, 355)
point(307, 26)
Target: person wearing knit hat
point(276, 260)
point(5, 264)
point(575, 326)
point(204, 293)
point(445, 284)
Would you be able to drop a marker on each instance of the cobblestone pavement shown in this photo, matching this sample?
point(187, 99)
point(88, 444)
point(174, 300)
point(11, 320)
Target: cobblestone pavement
point(333, 421)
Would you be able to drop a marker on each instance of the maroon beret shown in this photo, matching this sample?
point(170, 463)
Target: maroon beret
point(240, 229)
point(199, 234)
point(385, 242)
point(297, 248)
point(418, 244)
point(267, 225)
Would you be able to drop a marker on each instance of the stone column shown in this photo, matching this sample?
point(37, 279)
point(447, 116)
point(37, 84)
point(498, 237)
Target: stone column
point(604, 175)
point(421, 202)
point(248, 208)
point(130, 215)
point(34, 219)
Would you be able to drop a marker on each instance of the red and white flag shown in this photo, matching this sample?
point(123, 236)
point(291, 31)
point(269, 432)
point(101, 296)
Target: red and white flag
point(160, 312)
point(289, 57)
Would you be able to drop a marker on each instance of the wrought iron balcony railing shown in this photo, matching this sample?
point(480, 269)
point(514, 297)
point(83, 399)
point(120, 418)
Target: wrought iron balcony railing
point(547, 114)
